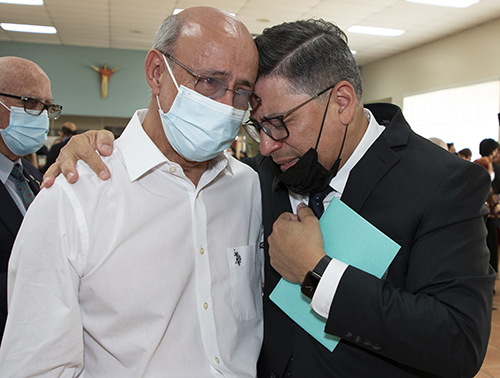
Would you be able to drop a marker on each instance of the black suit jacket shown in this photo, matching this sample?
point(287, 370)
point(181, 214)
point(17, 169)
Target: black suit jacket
point(54, 152)
point(431, 315)
point(10, 221)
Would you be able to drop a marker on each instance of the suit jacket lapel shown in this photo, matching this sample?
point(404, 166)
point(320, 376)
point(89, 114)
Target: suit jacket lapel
point(33, 182)
point(10, 214)
point(379, 158)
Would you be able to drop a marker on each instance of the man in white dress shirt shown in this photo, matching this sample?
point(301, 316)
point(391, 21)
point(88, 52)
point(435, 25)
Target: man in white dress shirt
point(153, 272)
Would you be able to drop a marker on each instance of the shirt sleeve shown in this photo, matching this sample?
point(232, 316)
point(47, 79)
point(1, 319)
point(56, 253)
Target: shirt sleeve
point(325, 292)
point(44, 332)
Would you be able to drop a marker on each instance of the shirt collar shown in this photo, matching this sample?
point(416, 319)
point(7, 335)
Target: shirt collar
point(141, 154)
point(373, 131)
point(6, 166)
point(139, 151)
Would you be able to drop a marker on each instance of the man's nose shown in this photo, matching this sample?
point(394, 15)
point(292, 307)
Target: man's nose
point(268, 145)
point(226, 98)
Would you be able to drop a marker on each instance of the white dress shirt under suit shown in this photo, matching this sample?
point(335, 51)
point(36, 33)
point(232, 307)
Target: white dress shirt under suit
point(143, 275)
point(329, 282)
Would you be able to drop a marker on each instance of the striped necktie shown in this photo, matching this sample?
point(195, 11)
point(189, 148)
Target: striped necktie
point(22, 185)
point(316, 201)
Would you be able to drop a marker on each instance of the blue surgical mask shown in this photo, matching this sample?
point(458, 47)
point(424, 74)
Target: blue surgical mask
point(197, 127)
point(25, 133)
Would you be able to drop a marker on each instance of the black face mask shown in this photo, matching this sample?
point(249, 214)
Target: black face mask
point(308, 175)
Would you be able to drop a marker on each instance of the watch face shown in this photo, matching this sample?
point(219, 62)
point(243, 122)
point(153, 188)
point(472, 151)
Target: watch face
point(310, 284)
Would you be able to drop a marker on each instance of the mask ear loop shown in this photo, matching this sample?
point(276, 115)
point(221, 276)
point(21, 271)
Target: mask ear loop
point(170, 72)
point(5, 106)
point(172, 77)
point(337, 162)
point(323, 123)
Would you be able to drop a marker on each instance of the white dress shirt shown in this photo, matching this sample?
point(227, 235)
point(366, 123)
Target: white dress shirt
point(329, 282)
point(143, 275)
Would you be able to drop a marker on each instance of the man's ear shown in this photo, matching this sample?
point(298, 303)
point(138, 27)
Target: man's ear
point(154, 67)
point(346, 99)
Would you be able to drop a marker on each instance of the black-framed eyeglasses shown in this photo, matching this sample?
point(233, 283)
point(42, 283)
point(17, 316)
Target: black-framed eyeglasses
point(275, 127)
point(215, 88)
point(35, 107)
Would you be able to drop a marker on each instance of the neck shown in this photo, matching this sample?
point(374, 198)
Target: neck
point(357, 129)
point(154, 129)
point(4, 150)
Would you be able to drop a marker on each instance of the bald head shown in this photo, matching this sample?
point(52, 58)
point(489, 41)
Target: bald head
point(24, 78)
point(21, 76)
point(206, 24)
point(67, 129)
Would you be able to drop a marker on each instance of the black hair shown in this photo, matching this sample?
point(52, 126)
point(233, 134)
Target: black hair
point(311, 54)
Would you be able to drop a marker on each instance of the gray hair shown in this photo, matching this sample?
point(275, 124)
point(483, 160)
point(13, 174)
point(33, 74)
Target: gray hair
point(167, 34)
point(311, 54)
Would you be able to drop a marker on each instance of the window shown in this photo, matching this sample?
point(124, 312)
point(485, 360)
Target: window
point(462, 115)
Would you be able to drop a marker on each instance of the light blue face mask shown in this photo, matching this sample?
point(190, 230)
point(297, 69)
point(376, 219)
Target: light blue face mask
point(197, 127)
point(25, 133)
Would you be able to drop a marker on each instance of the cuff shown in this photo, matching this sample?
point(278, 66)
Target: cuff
point(327, 287)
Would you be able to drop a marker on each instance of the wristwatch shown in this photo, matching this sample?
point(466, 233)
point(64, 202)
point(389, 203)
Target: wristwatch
point(310, 283)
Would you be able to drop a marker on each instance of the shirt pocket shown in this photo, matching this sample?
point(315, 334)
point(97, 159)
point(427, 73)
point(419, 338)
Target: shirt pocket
point(245, 266)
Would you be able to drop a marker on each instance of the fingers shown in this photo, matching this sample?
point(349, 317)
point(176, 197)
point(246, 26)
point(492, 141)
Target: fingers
point(81, 147)
point(104, 142)
point(304, 212)
point(50, 176)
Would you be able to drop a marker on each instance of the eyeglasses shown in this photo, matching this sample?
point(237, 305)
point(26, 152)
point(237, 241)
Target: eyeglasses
point(275, 127)
point(35, 107)
point(215, 88)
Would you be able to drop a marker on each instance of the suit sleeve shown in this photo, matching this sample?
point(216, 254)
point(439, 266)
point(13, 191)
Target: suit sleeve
point(439, 321)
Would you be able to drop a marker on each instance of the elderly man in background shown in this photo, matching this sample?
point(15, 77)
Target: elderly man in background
point(152, 273)
point(25, 107)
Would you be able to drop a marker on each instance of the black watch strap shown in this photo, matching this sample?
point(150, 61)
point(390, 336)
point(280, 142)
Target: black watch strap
point(311, 281)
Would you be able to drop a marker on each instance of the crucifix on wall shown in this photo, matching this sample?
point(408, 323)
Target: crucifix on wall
point(104, 75)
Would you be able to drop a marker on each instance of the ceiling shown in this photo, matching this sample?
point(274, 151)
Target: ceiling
point(131, 24)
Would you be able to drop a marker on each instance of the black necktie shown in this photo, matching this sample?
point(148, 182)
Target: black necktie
point(26, 193)
point(316, 201)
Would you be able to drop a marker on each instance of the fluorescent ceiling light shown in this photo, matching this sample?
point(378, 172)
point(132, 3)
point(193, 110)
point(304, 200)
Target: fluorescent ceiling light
point(447, 3)
point(375, 31)
point(23, 2)
point(28, 28)
point(178, 10)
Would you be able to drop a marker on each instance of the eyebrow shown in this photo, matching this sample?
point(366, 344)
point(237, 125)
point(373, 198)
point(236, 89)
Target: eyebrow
point(49, 101)
point(225, 75)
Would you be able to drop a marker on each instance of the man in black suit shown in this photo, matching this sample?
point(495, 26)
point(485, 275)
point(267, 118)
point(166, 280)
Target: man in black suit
point(68, 129)
point(25, 104)
point(429, 316)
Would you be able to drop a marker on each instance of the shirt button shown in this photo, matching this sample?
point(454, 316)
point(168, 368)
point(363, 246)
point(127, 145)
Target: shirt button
point(202, 251)
point(173, 169)
point(205, 305)
point(217, 360)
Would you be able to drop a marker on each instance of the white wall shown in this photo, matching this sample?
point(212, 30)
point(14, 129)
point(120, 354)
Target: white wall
point(466, 57)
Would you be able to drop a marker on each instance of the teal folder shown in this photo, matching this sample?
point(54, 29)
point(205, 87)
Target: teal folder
point(351, 239)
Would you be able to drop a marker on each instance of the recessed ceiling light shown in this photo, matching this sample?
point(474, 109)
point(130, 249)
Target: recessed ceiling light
point(23, 2)
point(375, 31)
point(28, 28)
point(447, 3)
